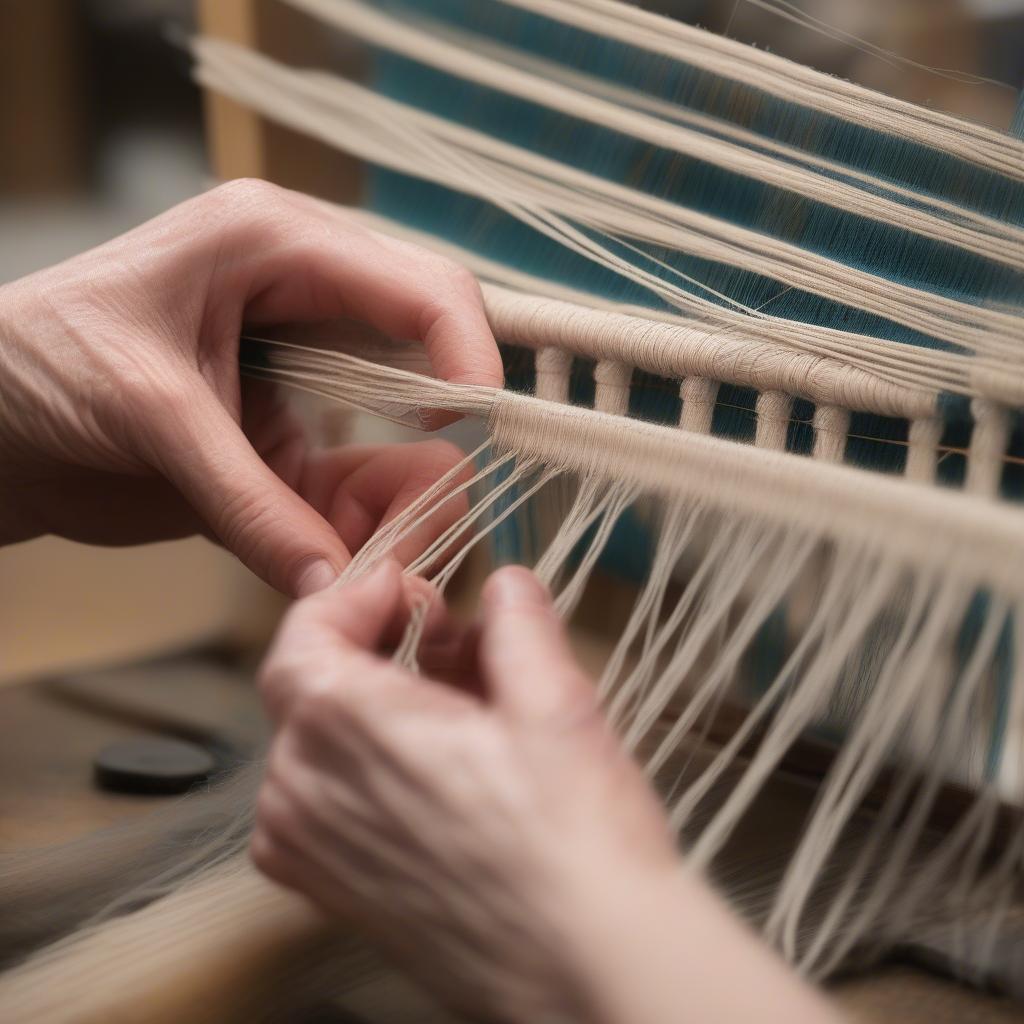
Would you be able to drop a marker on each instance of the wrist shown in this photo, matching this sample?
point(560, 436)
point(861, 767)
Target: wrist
point(616, 922)
point(659, 945)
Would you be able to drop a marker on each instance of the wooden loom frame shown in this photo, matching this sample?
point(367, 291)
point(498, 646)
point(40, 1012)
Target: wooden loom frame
point(243, 144)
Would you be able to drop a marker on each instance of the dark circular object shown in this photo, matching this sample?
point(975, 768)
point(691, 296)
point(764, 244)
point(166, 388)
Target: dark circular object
point(152, 765)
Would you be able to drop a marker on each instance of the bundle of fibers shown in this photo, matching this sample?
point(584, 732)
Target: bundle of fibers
point(764, 346)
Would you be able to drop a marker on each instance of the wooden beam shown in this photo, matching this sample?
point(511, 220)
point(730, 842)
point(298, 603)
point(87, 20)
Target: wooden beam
point(236, 138)
point(244, 144)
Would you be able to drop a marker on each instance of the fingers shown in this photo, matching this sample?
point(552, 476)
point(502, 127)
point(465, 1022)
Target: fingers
point(284, 846)
point(529, 668)
point(314, 263)
point(330, 639)
point(363, 613)
point(295, 519)
point(450, 653)
point(271, 529)
point(441, 301)
point(359, 489)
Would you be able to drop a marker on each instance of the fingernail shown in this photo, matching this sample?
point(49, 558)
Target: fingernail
point(514, 587)
point(316, 574)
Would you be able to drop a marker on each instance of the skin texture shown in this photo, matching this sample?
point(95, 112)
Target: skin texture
point(484, 824)
point(124, 418)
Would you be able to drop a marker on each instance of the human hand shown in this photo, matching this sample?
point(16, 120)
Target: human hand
point(123, 417)
point(470, 824)
point(484, 825)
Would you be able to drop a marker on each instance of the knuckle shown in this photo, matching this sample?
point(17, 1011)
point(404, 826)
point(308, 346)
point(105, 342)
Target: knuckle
point(480, 742)
point(262, 851)
point(438, 266)
point(245, 192)
point(292, 633)
point(276, 815)
point(318, 706)
point(297, 685)
point(248, 523)
point(448, 287)
point(241, 525)
point(251, 211)
point(269, 858)
point(277, 682)
point(316, 696)
point(461, 278)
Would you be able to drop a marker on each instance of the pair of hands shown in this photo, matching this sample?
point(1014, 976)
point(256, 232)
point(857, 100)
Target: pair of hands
point(482, 821)
point(460, 807)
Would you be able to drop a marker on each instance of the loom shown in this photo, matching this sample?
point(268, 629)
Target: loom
point(764, 338)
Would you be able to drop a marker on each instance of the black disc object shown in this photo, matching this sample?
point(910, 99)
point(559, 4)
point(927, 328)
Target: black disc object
point(151, 764)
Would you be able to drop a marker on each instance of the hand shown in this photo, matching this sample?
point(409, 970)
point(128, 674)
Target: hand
point(484, 825)
point(468, 828)
point(123, 418)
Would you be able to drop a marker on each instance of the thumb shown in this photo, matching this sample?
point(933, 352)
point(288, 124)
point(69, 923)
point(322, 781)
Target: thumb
point(256, 516)
point(529, 667)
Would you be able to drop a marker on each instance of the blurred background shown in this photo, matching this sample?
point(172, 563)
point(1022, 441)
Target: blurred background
point(101, 128)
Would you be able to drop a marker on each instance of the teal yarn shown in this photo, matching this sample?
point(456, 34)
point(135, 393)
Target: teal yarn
point(885, 250)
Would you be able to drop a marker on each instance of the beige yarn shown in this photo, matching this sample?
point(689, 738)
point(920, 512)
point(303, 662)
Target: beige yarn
point(788, 80)
point(388, 136)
